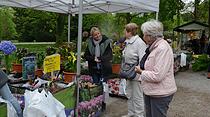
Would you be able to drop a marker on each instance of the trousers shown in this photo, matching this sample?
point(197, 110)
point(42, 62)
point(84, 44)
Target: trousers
point(7, 95)
point(135, 98)
point(157, 106)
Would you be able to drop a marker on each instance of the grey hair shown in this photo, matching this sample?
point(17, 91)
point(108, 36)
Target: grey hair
point(153, 28)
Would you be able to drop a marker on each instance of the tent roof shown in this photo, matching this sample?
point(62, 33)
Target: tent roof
point(89, 6)
point(191, 26)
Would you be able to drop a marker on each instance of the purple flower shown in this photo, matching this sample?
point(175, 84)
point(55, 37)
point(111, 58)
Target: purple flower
point(7, 47)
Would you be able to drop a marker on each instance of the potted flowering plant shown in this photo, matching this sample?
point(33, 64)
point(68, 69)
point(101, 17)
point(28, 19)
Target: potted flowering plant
point(50, 50)
point(7, 47)
point(19, 54)
point(65, 49)
point(69, 67)
point(39, 61)
point(117, 57)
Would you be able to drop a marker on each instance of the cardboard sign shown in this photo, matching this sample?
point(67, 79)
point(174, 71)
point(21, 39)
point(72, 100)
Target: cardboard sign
point(52, 63)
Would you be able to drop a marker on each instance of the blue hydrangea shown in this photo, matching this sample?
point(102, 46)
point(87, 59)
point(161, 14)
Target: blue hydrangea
point(7, 47)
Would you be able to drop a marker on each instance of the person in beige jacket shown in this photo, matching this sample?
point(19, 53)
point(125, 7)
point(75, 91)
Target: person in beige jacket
point(156, 71)
point(133, 52)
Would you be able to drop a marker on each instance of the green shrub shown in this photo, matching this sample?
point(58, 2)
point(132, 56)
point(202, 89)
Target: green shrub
point(201, 63)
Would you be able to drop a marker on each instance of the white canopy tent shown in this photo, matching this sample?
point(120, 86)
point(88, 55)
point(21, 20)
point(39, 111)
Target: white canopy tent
point(83, 7)
point(89, 6)
point(86, 6)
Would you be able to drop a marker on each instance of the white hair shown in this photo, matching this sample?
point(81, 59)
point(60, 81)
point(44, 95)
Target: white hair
point(153, 28)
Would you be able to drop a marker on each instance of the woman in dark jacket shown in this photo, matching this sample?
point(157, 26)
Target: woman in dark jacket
point(7, 95)
point(99, 56)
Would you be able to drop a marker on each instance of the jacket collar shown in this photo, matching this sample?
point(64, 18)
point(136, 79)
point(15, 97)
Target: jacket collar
point(132, 39)
point(155, 43)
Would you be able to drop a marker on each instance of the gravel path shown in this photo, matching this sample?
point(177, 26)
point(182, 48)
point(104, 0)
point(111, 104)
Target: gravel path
point(191, 100)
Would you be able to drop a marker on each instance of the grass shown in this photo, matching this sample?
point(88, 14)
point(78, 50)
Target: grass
point(3, 110)
point(34, 47)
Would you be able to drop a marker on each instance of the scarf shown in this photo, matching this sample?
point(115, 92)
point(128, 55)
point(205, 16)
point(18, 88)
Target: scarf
point(97, 47)
point(147, 52)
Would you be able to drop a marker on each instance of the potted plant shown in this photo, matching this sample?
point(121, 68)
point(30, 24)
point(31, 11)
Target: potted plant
point(65, 49)
point(39, 61)
point(19, 54)
point(50, 50)
point(7, 47)
point(69, 67)
point(117, 57)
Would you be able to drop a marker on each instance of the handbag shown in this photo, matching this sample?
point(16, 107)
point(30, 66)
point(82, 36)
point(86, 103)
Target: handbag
point(127, 70)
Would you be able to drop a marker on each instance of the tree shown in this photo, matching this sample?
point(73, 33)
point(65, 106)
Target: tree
point(61, 21)
point(7, 26)
point(35, 25)
point(169, 9)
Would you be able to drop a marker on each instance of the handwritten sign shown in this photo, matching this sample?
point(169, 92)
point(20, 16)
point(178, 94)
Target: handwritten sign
point(52, 63)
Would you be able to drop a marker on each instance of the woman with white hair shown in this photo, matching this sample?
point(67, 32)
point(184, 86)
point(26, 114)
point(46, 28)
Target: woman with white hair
point(156, 71)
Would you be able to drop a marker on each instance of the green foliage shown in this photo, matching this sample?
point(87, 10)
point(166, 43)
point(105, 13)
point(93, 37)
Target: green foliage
point(34, 47)
point(50, 50)
point(169, 8)
point(3, 109)
point(35, 25)
point(201, 63)
point(90, 20)
point(117, 55)
point(19, 54)
point(7, 26)
point(40, 59)
point(70, 63)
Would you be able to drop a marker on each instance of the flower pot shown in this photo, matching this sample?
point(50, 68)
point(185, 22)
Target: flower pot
point(17, 67)
point(39, 73)
point(68, 77)
point(116, 68)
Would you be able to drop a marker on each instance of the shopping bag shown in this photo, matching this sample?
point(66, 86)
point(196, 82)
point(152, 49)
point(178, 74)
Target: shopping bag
point(42, 104)
point(122, 87)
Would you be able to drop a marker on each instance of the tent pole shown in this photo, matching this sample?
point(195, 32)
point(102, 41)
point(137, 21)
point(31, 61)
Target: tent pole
point(79, 43)
point(69, 26)
point(157, 15)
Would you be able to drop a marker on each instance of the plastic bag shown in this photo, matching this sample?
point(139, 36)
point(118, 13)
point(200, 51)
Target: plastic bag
point(42, 105)
point(122, 87)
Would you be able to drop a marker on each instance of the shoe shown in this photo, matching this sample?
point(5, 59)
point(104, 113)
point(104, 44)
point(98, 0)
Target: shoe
point(125, 116)
point(103, 106)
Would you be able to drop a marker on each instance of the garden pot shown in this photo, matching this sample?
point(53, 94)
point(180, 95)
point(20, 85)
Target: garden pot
point(68, 77)
point(39, 73)
point(116, 68)
point(17, 67)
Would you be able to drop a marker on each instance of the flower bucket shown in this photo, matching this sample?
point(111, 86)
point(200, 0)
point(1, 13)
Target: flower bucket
point(39, 73)
point(17, 68)
point(68, 77)
point(116, 68)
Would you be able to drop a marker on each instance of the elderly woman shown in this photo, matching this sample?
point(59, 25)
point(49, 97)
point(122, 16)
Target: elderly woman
point(156, 71)
point(99, 55)
point(133, 52)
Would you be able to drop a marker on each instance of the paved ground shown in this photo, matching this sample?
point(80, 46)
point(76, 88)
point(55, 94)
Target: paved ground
point(191, 100)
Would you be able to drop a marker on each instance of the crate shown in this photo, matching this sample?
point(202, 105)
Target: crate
point(67, 97)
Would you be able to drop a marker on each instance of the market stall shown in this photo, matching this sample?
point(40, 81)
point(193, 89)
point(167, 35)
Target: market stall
point(80, 7)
